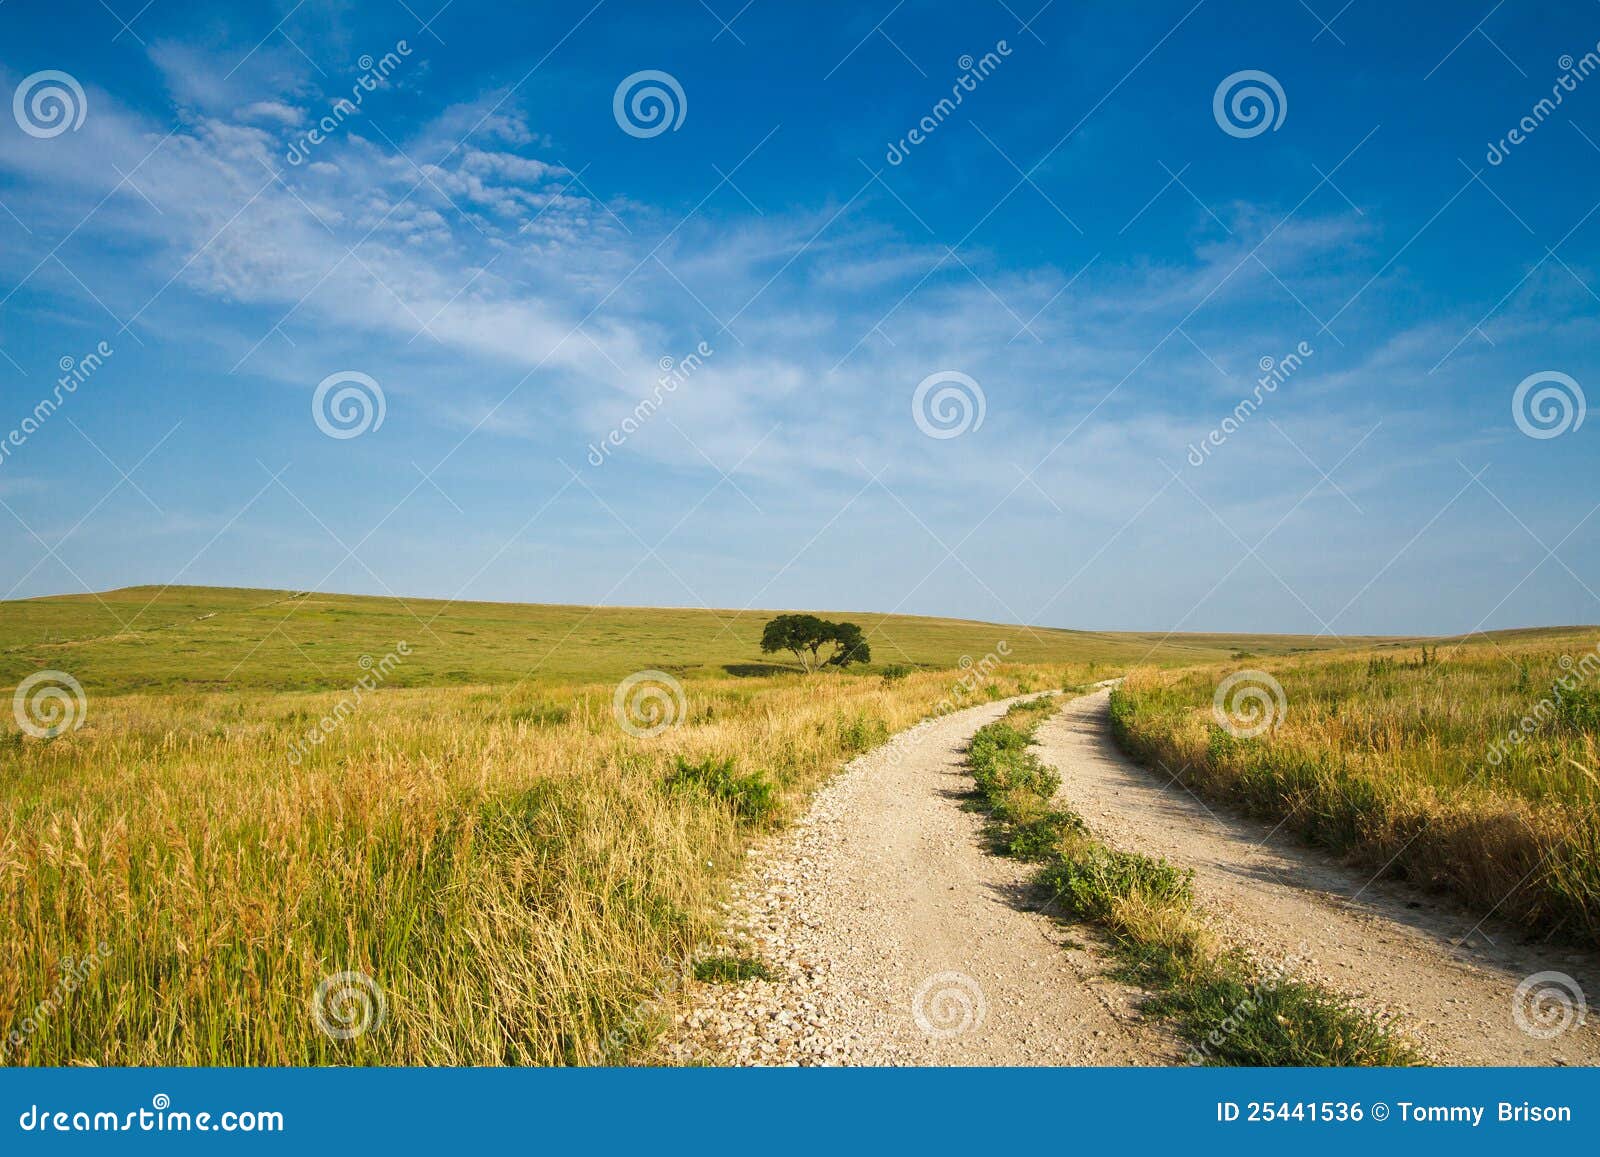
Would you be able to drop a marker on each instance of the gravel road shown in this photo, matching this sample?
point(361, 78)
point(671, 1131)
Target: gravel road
point(1389, 947)
point(895, 938)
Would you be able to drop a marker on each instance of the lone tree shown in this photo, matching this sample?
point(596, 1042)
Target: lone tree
point(805, 636)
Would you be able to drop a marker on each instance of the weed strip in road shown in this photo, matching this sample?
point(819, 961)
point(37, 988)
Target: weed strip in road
point(1227, 1011)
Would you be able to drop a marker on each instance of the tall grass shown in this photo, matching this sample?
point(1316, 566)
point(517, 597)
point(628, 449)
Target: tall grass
point(515, 874)
point(1408, 764)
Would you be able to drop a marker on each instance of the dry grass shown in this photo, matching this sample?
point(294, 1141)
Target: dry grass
point(509, 867)
point(1407, 766)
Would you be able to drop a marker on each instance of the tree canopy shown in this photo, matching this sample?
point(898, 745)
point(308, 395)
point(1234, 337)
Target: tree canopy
point(806, 637)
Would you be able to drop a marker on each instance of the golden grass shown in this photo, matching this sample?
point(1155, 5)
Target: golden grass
point(506, 867)
point(1409, 767)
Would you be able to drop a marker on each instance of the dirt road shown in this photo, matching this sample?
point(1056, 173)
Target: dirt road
point(1389, 947)
point(895, 937)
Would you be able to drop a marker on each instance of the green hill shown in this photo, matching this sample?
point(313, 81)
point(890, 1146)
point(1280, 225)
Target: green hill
point(171, 638)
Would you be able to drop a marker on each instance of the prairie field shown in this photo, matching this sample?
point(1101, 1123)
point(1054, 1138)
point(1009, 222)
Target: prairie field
point(1470, 766)
point(287, 829)
point(208, 638)
point(515, 873)
point(507, 874)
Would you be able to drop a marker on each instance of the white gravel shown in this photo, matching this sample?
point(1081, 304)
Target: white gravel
point(895, 938)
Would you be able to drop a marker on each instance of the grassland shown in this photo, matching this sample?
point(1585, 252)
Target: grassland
point(205, 638)
point(249, 811)
point(1224, 1009)
point(1471, 767)
point(266, 792)
point(514, 872)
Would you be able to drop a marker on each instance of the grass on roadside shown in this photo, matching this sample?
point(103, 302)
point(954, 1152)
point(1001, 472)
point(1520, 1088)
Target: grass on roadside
point(1472, 769)
point(1225, 1010)
point(499, 875)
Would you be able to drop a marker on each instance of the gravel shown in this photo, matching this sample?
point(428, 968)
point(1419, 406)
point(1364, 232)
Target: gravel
point(895, 938)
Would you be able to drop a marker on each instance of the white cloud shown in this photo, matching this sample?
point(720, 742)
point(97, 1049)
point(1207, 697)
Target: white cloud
point(272, 110)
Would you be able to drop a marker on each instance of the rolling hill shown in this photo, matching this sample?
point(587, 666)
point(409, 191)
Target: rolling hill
point(215, 638)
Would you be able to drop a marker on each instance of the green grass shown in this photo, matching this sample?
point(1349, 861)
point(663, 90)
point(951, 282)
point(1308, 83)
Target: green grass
point(730, 970)
point(1227, 1011)
point(751, 796)
point(207, 638)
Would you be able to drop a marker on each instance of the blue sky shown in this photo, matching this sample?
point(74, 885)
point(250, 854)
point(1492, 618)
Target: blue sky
point(1082, 238)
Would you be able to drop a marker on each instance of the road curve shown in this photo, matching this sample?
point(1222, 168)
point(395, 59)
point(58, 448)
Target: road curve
point(1389, 947)
point(896, 938)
